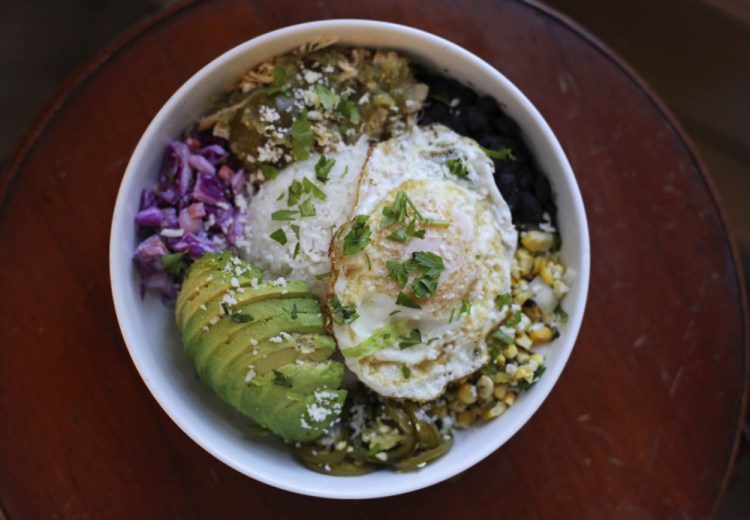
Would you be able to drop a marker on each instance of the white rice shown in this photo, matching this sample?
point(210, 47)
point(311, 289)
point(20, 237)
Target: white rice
point(315, 232)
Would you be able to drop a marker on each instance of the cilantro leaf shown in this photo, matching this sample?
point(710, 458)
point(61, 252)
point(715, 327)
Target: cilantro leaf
point(397, 272)
point(457, 168)
point(283, 214)
point(281, 380)
point(430, 263)
point(424, 286)
point(465, 307)
point(323, 168)
point(269, 170)
point(294, 311)
point(296, 250)
point(302, 137)
point(513, 320)
point(239, 317)
point(504, 299)
point(358, 237)
point(406, 301)
point(327, 98)
point(309, 187)
point(562, 314)
point(279, 78)
point(414, 338)
point(295, 228)
point(405, 371)
point(342, 314)
point(323, 276)
point(173, 263)
point(279, 236)
point(525, 385)
point(502, 337)
point(306, 209)
point(503, 154)
point(295, 193)
point(348, 109)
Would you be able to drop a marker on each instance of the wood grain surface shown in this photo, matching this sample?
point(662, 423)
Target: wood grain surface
point(642, 424)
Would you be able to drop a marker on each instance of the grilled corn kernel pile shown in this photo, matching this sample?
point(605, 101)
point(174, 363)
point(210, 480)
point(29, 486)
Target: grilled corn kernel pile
point(532, 317)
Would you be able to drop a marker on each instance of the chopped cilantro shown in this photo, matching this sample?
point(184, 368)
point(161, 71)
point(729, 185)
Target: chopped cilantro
point(173, 263)
point(503, 154)
point(525, 385)
point(239, 317)
point(429, 263)
point(405, 371)
point(323, 168)
point(295, 193)
point(328, 99)
point(294, 311)
point(309, 186)
point(323, 276)
point(502, 337)
point(346, 170)
point(414, 338)
point(279, 78)
point(268, 170)
point(441, 96)
point(406, 301)
point(283, 214)
point(397, 272)
point(342, 314)
point(562, 314)
point(504, 299)
point(513, 320)
point(465, 308)
point(281, 380)
point(348, 109)
point(296, 250)
point(306, 209)
point(457, 168)
point(295, 228)
point(394, 312)
point(424, 286)
point(450, 320)
point(302, 137)
point(279, 236)
point(358, 237)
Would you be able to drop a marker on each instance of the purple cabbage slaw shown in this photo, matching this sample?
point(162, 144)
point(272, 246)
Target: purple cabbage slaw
point(190, 211)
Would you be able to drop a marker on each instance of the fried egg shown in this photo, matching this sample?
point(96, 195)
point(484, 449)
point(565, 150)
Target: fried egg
point(419, 266)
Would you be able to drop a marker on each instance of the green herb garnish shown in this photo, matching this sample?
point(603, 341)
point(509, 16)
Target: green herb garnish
point(281, 380)
point(295, 193)
point(504, 299)
point(562, 314)
point(457, 168)
point(173, 263)
point(342, 314)
point(414, 338)
point(306, 209)
point(465, 307)
point(296, 250)
point(239, 317)
point(269, 170)
point(295, 228)
point(406, 301)
point(279, 236)
point(279, 78)
point(525, 385)
point(348, 109)
point(397, 272)
point(358, 237)
point(502, 337)
point(503, 154)
point(328, 99)
point(513, 320)
point(323, 168)
point(405, 371)
point(302, 137)
point(323, 276)
point(294, 311)
point(424, 286)
point(283, 214)
point(309, 187)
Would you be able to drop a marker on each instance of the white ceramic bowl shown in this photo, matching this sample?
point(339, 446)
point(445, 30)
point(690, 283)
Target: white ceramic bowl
point(153, 339)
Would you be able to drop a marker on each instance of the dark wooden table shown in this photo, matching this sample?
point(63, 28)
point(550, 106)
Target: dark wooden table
point(643, 423)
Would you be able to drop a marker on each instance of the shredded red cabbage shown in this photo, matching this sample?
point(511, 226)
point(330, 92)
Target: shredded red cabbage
point(190, 211)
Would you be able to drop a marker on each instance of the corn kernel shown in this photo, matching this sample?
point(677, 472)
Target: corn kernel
point(510, 351)
point(541, 336)
point(499, 392)
point(495, 411)
point(485, 386)
point(465, 418)
point(522, 340)
point(509, 398)
point(560, 289)
point(467, 393)
point(546, 275)
point(537, 241)
point(525, 262)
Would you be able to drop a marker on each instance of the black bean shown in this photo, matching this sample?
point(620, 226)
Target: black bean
point(488, 105)
point(526, 178)
point(476, 119)
point(505, 125)
point(542, 189)
point(507, 184)
point(530, 209)
point(512, 199)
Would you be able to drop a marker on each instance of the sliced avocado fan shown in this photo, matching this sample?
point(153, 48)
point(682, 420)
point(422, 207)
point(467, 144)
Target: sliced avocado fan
point(261, 346)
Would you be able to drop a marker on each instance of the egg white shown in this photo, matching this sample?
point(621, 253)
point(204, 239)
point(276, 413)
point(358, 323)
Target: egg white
point(476, 248)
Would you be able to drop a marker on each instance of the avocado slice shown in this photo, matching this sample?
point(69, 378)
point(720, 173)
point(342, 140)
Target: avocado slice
point(261, 347)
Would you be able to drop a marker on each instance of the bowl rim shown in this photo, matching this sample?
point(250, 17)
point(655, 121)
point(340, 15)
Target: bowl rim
point(118, 264)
